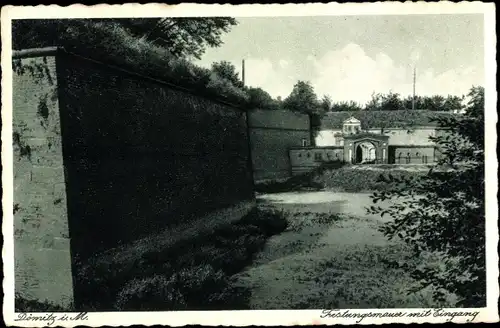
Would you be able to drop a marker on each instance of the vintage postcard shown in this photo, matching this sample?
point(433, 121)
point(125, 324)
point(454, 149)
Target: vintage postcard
point(249, 164)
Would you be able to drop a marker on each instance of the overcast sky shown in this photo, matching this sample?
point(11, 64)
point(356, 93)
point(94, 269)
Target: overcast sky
point(349, 57)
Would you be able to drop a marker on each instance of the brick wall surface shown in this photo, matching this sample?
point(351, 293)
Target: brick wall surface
point(41, 235)
point(165, 156)
point(272, 134)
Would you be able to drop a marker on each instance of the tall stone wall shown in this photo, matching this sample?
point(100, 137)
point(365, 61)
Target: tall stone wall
point(41, 233)
point(105, 157)
point(272, 134)
point(163, 155)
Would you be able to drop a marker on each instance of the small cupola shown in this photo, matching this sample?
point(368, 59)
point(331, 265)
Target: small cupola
point(351, 125)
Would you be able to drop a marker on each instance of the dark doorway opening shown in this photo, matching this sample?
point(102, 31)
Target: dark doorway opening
point(365, 153)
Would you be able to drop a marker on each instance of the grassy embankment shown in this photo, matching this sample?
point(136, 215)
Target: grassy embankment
point(194, 274)
point(345, 178)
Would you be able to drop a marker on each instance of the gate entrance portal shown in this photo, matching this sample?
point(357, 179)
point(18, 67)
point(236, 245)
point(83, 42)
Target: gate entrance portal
point(366, 153)
point(366, 148)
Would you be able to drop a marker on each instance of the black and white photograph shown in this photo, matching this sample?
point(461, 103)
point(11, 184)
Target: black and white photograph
point(236, 159)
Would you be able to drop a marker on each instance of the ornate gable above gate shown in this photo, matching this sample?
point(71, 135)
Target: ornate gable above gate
point(352, 120)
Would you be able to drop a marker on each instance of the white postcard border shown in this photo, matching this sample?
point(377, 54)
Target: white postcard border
point(253, 317)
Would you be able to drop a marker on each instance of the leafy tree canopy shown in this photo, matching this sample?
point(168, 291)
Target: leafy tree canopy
point(183, 37)
point(226, 70)
point(303, 99)
point(346, 106)
point(260, 99)
point(393, 101)
point(326, 103)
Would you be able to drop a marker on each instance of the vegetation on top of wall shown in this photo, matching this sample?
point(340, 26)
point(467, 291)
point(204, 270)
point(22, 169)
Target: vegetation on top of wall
point(384, 119)
point(113, 43)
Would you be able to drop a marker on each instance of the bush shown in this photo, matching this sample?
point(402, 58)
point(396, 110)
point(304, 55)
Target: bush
point(195, 274)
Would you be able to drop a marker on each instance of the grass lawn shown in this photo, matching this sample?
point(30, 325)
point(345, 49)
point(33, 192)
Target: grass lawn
point(330, 259)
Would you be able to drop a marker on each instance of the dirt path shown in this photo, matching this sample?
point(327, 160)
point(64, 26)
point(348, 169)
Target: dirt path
point(330, 256)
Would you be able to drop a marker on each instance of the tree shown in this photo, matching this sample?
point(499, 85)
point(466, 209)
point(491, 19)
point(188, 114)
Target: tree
point(260, 99)
point(391, 101)
point(303, 99)
point(181, 37)
point(226, 70)
point(437, 103)
point(453, 103)
point(441, 215)
point(344, 106)
point(375, 103)
point(326, 103)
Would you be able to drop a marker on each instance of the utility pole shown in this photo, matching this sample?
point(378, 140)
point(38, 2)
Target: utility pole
point(414, 80)
point(243, 71)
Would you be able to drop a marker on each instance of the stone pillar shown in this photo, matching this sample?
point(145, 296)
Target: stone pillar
point(385, 152)
point(41, 234)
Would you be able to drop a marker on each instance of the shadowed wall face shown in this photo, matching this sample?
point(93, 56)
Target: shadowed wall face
point(272, 134)
point(41, 234)
point(142, 156)
point(103, 157)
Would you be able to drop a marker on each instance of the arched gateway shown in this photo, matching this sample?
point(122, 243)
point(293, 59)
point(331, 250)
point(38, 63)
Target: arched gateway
point(366, 152)
point(366, 148)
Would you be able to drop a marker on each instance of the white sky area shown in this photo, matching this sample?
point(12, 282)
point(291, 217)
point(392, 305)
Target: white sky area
point(350, 57)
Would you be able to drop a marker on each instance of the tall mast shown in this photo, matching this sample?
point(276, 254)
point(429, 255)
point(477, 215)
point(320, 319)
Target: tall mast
point(414, 81)
point(243, 71)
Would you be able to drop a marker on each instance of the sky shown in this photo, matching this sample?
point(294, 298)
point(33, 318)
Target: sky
point(350, 57)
